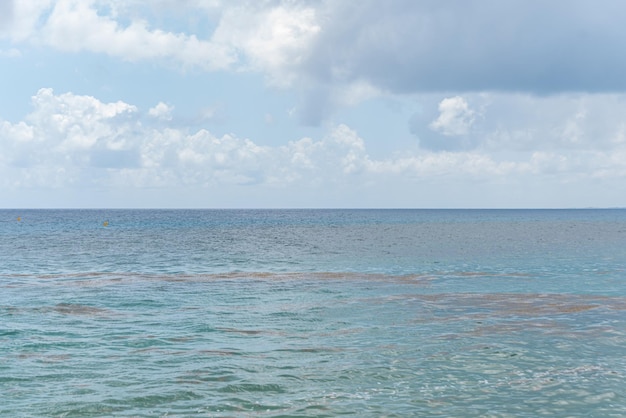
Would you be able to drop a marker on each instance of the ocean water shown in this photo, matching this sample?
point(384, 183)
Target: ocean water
point(312, 313)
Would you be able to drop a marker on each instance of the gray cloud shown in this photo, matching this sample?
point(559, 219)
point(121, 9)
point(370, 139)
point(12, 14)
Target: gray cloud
point(6, 13)
point(399, 46)
point(405, 46)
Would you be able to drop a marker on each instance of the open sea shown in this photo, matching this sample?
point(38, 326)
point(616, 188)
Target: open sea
point(313, 313)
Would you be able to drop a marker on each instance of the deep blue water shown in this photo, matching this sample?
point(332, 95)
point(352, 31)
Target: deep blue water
point(312, 312)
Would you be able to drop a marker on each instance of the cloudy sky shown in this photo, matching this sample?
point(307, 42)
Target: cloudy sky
point(312, 103)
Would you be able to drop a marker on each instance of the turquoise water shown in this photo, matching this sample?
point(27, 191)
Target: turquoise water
point(268, 313)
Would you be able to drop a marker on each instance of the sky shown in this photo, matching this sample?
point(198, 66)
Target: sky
point(312, 103)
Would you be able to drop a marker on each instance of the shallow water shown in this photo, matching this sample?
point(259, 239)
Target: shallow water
point(313, 313)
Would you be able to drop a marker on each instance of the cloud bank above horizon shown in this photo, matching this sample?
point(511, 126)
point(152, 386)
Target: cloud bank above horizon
point(302, 103)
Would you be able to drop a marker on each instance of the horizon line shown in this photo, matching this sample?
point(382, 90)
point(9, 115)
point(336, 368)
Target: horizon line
point(319, 208)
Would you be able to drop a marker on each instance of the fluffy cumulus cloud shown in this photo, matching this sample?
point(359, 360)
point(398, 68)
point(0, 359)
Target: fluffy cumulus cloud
point(73, 140)
point(501, 91)
point(270, 37)
point(161, 111)
point(455, 117)
point(503, 122)
point(101, 27)
point(338, 52)
point(399, 46)
point(266, 36)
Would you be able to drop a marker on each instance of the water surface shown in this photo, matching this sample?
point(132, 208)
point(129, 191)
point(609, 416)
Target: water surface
point(312, 313)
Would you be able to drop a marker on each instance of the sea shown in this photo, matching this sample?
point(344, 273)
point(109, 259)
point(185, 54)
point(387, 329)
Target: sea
point(313, 313)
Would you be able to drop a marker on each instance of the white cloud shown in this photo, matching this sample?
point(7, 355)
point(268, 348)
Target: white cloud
point(67, 121)
point(502, 122)
point(80, 142)
point(52, 145)
point(455, 117)
point(22, 18)
point(269, 37)
point(79, 25)
point(161, 111)
point(403, 47)
point(19, 132)
point(470, 71)
point(274, 39)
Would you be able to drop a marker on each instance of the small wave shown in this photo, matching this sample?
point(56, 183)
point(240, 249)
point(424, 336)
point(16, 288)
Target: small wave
point(253, 387)
point(220, 352)
point(313, 350)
